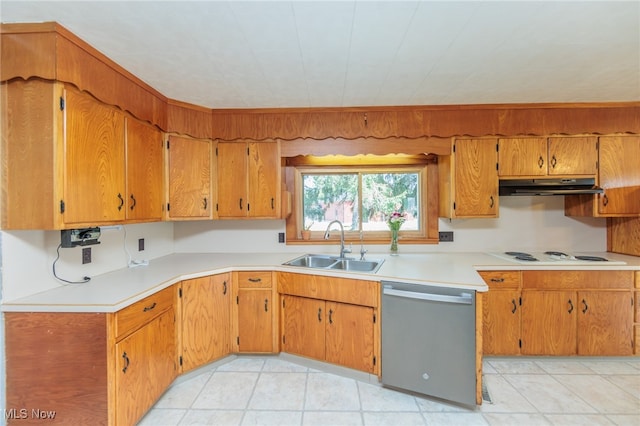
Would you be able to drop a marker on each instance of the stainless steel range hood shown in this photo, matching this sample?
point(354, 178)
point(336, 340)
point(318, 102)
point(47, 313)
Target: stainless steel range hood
point(549, 186)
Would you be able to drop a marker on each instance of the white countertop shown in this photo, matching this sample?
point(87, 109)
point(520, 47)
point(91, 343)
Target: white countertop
point(115, 290)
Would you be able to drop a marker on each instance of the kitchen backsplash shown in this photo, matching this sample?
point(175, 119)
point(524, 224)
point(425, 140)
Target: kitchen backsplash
point(525, 223)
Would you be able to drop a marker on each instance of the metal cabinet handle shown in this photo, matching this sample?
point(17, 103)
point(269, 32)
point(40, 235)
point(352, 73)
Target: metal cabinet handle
point(605, 200)
point(497, 280)
point(513, 311)
point(121, 201)
point(148, 308)
point(570, 306)
point(330, 316)
point(240, 203)
point(126, 362)
point(540, 162)
point(204, 203)
point(273, 205)
point(266, 305)
point(553, 162)
point(491, 201)
point(255, 280)
point(319, 314)
point(585, 307)
point(133, 202)
point(224, 287)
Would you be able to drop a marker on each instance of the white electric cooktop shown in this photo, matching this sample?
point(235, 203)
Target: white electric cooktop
point(555, 258)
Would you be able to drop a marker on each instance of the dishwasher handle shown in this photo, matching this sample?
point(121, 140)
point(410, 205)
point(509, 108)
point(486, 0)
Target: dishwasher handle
point(464, 298)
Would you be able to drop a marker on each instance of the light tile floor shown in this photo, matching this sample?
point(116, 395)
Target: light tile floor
point(277, 390)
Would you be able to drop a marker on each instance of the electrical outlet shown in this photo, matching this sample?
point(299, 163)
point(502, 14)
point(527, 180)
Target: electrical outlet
point(86, 255)
point(281, 237)
point(140, 244)
point(445, 236)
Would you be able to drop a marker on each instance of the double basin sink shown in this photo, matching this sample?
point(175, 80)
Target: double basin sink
point(322, 261)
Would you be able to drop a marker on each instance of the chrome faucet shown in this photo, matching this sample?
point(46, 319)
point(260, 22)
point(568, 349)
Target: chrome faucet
point(343, 250)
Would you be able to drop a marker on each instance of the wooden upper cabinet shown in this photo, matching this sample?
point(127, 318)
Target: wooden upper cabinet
point(618, 176)
point(554, 156)
point(94, 174)
point(64, 158)
point(144, 172)
point(522, 157)
point(189, 173)
point(573, 156)
point(469, 180)
point(249, 180)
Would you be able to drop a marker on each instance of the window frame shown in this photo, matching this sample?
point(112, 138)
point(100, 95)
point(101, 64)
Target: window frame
point(428, 200)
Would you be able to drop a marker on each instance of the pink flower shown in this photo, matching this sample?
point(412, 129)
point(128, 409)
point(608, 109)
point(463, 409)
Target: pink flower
point(396, 219)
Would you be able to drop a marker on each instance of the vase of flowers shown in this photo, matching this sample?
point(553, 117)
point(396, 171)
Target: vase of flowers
point(395, 221)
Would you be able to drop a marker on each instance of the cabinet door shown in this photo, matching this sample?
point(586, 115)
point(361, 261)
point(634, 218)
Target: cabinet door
point(264, 180)
point(145, 367)
point(232, 179)
point(349, 338)
point(605, 323)
point(144, 172)
point(549, 322)
point(476, 179)
point(303, 322)
point(619, 175)
point(94, 168)
point(255, 328)
point(573, 156)
point(501, 322)
point(189, 178)
point(205, 320)
point(521, 157)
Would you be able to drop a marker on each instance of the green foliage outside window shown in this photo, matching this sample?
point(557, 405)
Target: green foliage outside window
point(360, 200)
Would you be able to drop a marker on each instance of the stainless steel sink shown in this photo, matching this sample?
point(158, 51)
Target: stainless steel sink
point(312, 261)
point(320, 261)
point(357, 265)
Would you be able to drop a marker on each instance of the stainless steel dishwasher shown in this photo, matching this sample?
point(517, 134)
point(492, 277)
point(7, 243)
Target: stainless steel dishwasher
point(428, 340)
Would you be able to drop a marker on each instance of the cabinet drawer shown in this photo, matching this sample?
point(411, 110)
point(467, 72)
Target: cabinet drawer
point(254, 279)
point(561, 280)
point(134, 316)
point(501, 279)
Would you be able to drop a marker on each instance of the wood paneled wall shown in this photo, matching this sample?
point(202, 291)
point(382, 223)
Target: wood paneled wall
point(623, 235)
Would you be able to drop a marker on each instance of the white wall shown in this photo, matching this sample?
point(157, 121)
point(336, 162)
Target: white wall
point(525, 223)
point(28, 256)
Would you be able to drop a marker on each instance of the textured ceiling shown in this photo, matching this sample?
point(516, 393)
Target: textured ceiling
point(240, 54)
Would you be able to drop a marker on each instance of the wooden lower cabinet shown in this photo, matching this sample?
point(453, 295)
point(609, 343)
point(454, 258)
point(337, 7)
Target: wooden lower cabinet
point(501, 313)
point(605, 322)
point(349, 337)
point(338, 333)
point(330, 319)
point(254, 312)
point(145, 367)
point(549, 323)
point(501, 322)
point(206, 320)
point(559, 313)
point(91, 368)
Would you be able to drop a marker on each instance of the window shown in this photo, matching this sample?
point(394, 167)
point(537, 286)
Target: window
point(361, 200)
